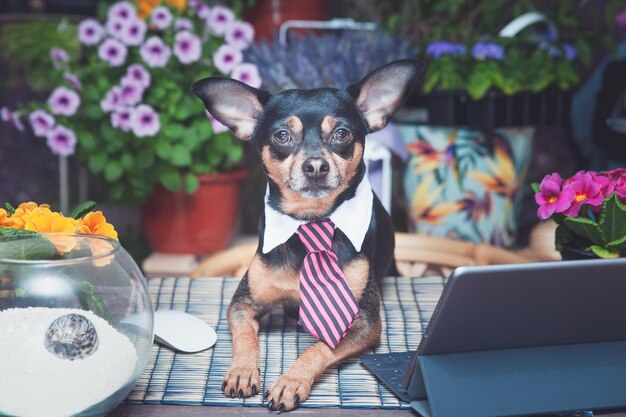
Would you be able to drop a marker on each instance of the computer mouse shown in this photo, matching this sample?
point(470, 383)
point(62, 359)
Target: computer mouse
point(182, 331)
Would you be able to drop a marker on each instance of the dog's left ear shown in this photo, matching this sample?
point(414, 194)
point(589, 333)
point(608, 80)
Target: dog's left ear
point(383, 91)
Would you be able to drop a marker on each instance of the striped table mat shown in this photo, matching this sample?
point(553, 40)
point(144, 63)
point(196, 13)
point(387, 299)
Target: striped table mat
point(179, 378)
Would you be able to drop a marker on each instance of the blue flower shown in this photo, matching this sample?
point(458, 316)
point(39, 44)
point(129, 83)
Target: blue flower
point(570, 51)
point(440, 48)
point(488, 50)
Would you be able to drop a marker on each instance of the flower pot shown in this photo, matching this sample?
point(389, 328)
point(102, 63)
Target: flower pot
point(198, 223)
point(267, 15)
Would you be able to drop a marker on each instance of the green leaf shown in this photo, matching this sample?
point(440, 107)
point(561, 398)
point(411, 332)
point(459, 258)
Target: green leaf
point(36, 248)
point(618, 245)
point(585, 228)
point(163, 148)
point(127, 161)
point(191, 183)
point(10, 208)
point(91, 300)
point(82, 209)
point(174, 131)
point(602, 252)
point(113, 171)
point(170, 178)
point(116, 192)
point(180, 156)
point(96, 162)
point(87, 141)
point(535, 187)
point(93, 111)
point(612, 219)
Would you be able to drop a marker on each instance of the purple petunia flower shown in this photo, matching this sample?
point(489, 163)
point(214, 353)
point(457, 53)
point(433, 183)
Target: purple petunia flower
point(90, 32)
point(59, 56)
point(5, 114)
point(440, 48)
point(187, 47)
point(41, 122)
point(217, 126)
point(162, 17)
point(122, 10)
point(182, 23)
point(120, 119)
point(72, 80)
point(203, 10)
point(133, 32)
point(220, 19)
point(193, 4)
point(63, 101)
point(61, 140)
point(620, 18)
point(226, 58)
point(130, 93)
point(155, 52)
point(240, 34)
point(247, 73)
point(113, 52)
point(115, 27)
point(112, 100)
point(488, 50)
point(570, 51)
point(144, 121)
point(12, 118)
point(138, 74)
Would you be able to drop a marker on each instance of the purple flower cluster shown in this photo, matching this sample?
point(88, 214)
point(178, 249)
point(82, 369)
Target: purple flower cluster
point(588, 188)
point(12, 118)
point(63, 101)
point(488, 50)
point(155, 53)
point(441, 48)
point(59, 57)
point(161, 17)
point(123, 101)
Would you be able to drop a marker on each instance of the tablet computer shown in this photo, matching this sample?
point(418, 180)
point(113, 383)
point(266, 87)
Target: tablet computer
point(526, 305)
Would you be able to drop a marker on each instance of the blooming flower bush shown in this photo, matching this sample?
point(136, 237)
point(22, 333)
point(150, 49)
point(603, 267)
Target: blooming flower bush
point(124, 107)
point(590, 209)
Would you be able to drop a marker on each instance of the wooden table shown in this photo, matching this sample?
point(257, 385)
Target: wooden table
point(151, 410)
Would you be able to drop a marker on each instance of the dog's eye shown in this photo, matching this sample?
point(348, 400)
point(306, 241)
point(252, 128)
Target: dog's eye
point(282, 136)
point(341, 135)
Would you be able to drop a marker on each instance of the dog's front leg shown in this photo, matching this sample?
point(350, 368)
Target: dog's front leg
point(242, 379)
point(294, 386)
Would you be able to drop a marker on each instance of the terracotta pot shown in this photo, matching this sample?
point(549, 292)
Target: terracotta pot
point(199, 223)
point(267, 15)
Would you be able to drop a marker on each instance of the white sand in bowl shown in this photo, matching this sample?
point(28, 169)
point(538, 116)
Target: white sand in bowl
point(35, 382)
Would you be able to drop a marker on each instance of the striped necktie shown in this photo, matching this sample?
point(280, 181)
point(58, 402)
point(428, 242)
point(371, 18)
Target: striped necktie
point(327, 306)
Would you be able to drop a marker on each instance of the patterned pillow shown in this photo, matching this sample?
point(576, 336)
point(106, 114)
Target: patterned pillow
point(463, 186)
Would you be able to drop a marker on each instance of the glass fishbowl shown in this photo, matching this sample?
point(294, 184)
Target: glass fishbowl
point(76, 325)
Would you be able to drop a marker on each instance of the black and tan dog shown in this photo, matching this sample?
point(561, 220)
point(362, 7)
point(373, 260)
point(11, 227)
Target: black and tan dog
point(311, 145)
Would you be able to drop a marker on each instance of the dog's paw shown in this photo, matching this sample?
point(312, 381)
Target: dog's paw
point(288, 392)
point(241, 381)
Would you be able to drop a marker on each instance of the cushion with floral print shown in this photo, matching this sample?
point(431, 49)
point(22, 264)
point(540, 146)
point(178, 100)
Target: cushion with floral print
point(461, 184)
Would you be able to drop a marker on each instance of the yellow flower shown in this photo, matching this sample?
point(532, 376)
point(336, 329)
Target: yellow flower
point(144, 7)
point(42, 221)
point(96, 224)
point(24, 211)
point(5, 220)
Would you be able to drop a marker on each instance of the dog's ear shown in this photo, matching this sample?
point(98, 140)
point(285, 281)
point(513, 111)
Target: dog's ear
point(233, 103)
point(383, 91)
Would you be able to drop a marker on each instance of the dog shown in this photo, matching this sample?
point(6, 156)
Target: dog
point(311, 145)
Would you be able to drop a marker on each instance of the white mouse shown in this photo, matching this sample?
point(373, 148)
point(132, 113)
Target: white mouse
point(183, 331)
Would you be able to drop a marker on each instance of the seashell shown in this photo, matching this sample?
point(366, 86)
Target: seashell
point(71, 336)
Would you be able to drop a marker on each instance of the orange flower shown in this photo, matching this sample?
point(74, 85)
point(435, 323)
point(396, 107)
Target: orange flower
point(24, 212)
point(96, 224)
point(42, 221)
point(144, 7)
point(5, 220)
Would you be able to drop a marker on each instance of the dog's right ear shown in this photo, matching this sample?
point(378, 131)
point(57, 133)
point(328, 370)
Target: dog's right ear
point(233, 103)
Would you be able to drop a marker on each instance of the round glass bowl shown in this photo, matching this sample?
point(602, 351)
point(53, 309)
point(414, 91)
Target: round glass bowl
point(76, 325)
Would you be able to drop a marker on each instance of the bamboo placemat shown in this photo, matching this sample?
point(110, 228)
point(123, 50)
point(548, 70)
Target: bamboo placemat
point(178, 378)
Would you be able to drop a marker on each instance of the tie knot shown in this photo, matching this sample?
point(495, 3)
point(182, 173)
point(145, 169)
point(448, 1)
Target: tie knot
point(317, 236)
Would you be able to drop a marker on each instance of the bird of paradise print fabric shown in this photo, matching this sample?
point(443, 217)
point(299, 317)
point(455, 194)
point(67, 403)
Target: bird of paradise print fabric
point(463, 185)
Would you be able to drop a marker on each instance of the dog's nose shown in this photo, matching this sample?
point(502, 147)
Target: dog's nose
point(315, 168)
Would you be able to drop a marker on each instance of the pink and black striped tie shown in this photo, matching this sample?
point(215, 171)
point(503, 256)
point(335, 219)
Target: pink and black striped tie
point(327, 306)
